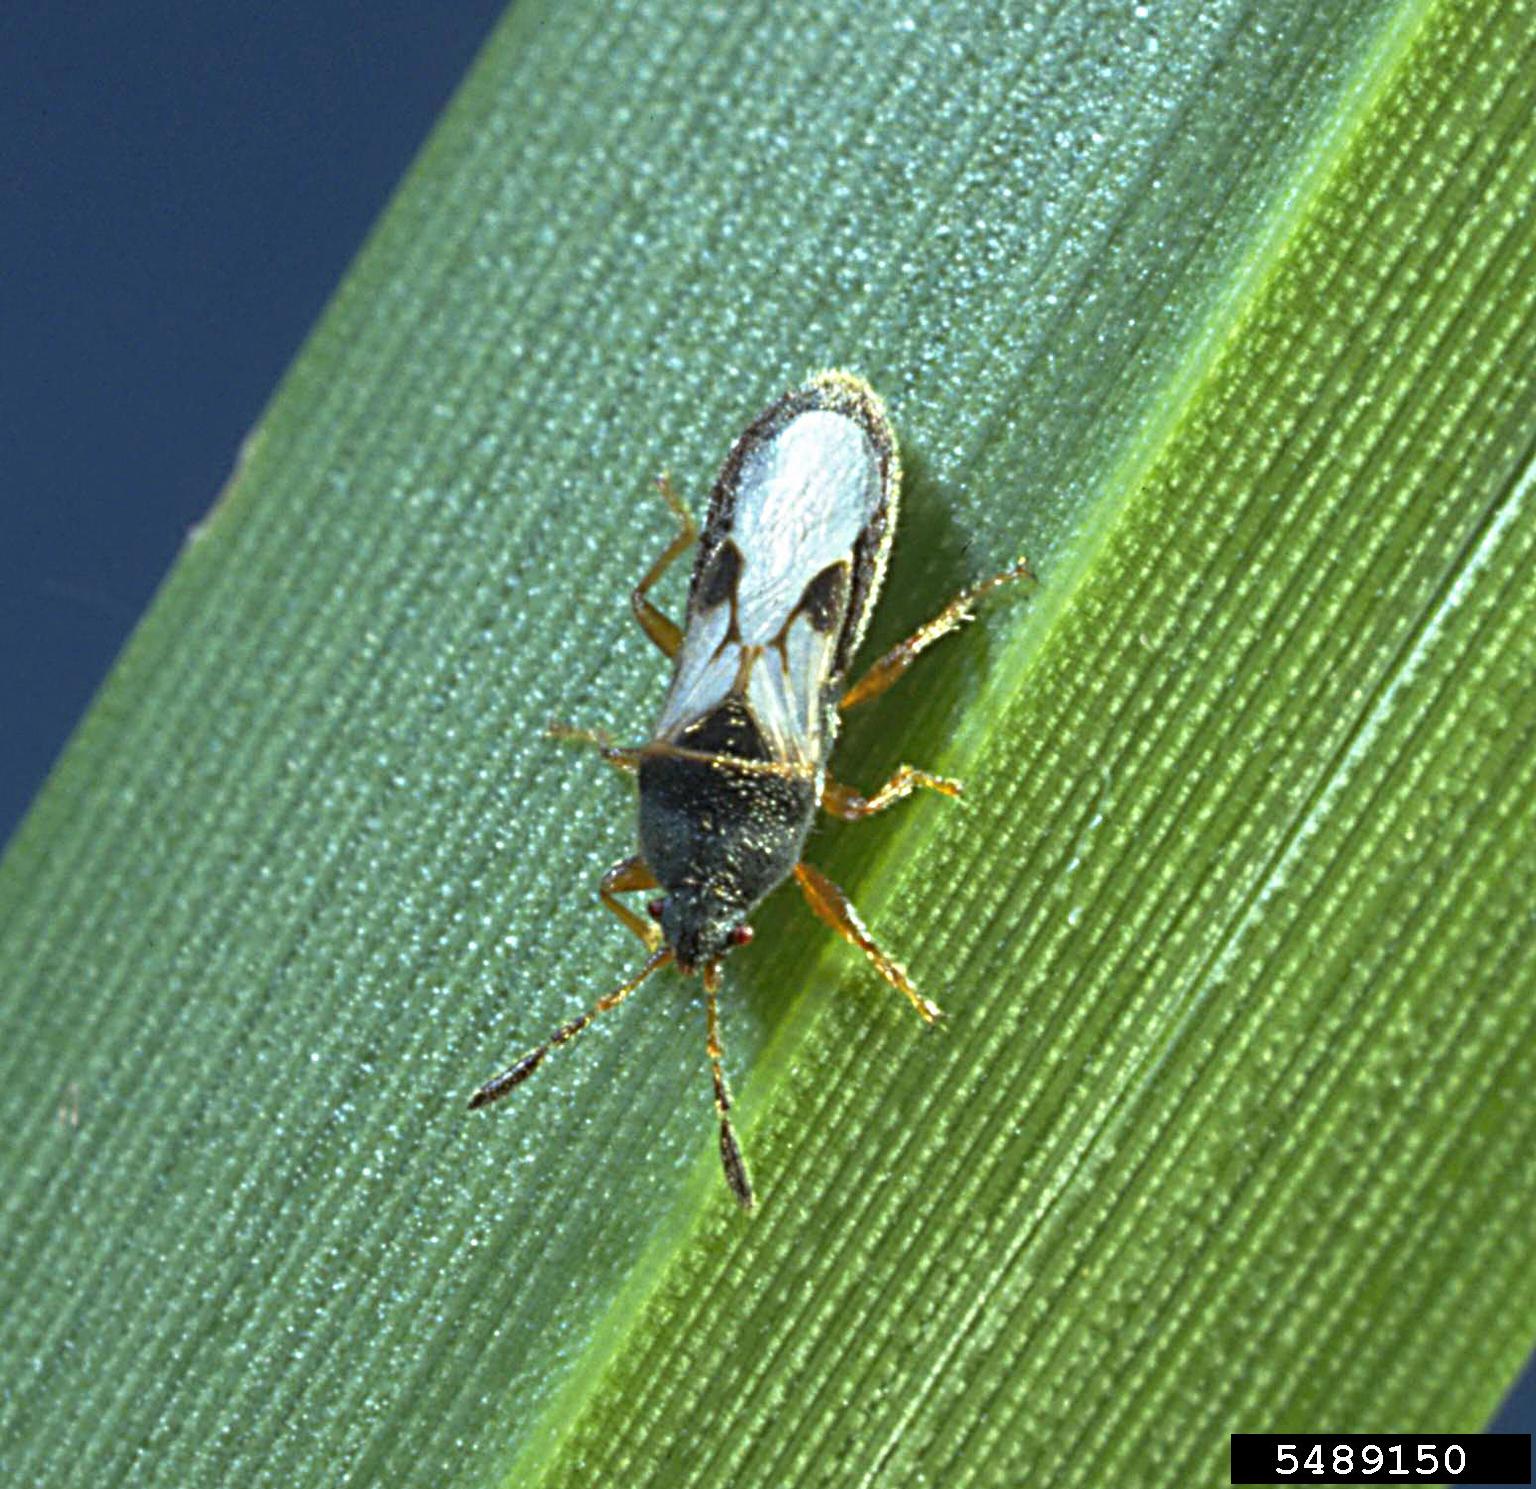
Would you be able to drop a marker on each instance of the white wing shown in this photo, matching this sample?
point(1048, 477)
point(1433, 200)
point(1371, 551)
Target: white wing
point(802, 500)
point(786, 699)
point(707, 666)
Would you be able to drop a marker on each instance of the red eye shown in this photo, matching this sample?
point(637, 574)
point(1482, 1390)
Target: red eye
point(741, 935)
point(655, 908)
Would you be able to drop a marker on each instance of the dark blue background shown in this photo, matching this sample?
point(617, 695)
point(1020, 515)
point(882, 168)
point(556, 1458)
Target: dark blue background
point(183, 185)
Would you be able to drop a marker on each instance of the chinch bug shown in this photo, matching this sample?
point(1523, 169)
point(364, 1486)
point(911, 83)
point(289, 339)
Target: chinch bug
point(789, 566)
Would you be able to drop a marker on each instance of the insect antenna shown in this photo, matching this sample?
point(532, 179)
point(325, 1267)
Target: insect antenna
point(514, 1075)
point(730, 1150)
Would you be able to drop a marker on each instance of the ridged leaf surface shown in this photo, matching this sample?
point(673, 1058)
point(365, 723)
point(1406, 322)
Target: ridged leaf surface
point(1224, 314)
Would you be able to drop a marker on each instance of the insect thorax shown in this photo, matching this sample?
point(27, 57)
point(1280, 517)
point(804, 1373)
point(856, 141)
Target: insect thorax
point(719, 836)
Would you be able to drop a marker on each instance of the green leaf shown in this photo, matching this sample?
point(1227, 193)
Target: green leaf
point(1226, 315)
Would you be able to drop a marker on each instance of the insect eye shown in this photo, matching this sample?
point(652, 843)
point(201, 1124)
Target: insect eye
point(741, 935)
point(655, 908)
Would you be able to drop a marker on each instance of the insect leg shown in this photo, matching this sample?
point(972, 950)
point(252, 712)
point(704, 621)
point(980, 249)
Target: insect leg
point(514, 1075)
point(730, 1151)
point(794, 770)
point(901, 656)
point(616, 755)
point(624, 877)
point(843, 801)
point(836, 909)
point(664, 632)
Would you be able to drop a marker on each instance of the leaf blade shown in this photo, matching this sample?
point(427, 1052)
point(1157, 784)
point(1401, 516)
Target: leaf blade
point(273, 889)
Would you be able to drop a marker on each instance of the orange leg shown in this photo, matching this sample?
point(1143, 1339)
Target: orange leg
point(843, 801)
point(616, 755)
point(625, 877)
point(790, 769)
point(954, 615)
point(836, 909)
point(730, 1150)
point(514, 1075)
point(664, 632)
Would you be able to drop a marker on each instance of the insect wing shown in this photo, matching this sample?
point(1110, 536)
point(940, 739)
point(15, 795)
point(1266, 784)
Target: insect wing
point(707, 666)
point(790, 563)
point(786, 687)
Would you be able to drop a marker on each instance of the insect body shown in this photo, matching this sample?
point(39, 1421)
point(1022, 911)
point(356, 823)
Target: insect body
point(790, 563)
